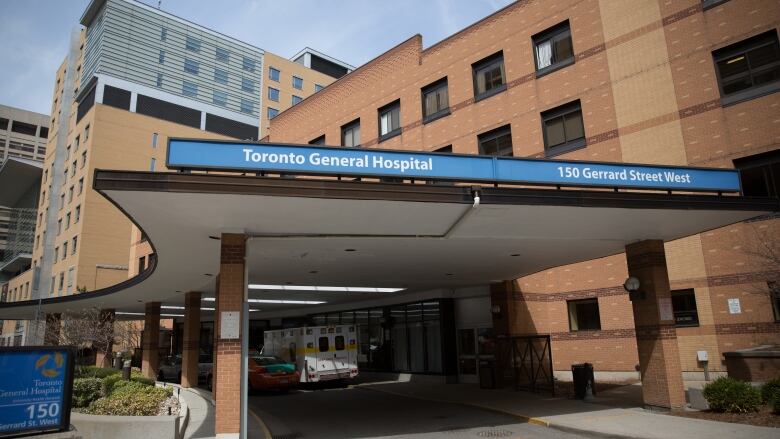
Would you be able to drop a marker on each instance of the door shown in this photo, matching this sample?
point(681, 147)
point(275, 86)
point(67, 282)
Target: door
point(474, 345)
point(341, 354)
point(325, 362)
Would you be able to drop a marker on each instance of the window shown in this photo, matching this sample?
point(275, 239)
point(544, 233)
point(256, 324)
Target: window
point(489, 76)
point(3, 124)
point(62, 198)
point(684, 305)
point(220, 76)
point(497, 142)
point(273, 94)
point(272, 113)
point(154, 140)
point(563, 129)
point(339, 342)
point(748, 69)
point(75, 243)
point(248, 64)
point(435, 100)
point(222, 55)
point(191, 66)
point(318, 141)
point(553, 49)
point(192, 44)
point(56, 253)
point(296, 99)
point(67, 152)
point(297, 82)
point(81, 185)
point(247, 106)
point(317, 88)
point(161, 58)
point(70, 194)
point(159, 80)
point(65, 178)
point(44, 133)
point(247, 85)
point(584, 315)
point(760, 174)
point(389, 120)
point(189, 88)
point(163, 34)
point(64, 249)
point(220, 98)
point(83, 159)
point(774, 294)
point(152, 164)
point(323, 344)
point(350, 134)
point(62, 281)
point(86, 133)
point(77, 215)
point(141, 263)
point(273, 74)
point(59, 226)
point(73, 168)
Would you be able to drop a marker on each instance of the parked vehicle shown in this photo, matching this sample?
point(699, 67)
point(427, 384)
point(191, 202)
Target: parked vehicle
point(170, 369)
point(269, 372)
point(320, 353)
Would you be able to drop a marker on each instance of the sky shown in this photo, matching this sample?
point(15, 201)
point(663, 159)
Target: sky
point(34, 33)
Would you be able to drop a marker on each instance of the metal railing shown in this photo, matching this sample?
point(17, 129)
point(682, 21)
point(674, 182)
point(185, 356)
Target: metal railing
point(21, 233)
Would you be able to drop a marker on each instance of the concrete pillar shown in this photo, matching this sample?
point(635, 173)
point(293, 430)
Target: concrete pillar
point(230, 299)
point(150, 361)
point(191, 340)
point(106, 323)
point(51, 335)
point(656, 336)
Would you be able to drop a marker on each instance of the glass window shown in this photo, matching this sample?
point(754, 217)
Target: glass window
point(318, 141)
point(297, 82)
point(399, 338)
point(189, 88)
point(220, 75)
point(159, 80)
point(247, 106)
point(75, 244)
point(163, 34)
point(220, 98)
point(435, 100)
point(272, 113)
point(83, 159)
point(339, 342)
point(192, 44)
point(389, 120)
point(317, 88)
point(161, 57)
point(78, 214)
point(191, 66)
point(273, 74)
point(584, 315)
point(684, 305)
point(248, 64)
point(154, 140)
point(152, 164)
point(247, 85)
point(323, 344)
point(350, 134)
point(222, 55)
point(750, 68)
point(553, 48)
point(67, 221)
point(273, 94)
point(489, 76)
point(774, 294)
point(497, 142)
point(760, 174)
point(296, 99)
point(81, 185)
point(563, 128)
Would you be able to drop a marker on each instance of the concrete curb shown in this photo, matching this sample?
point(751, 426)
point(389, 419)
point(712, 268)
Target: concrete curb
point(263, 425)
point(528, 419)
point(183, 407)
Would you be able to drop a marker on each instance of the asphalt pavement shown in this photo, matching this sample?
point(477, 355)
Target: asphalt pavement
point(347, 413)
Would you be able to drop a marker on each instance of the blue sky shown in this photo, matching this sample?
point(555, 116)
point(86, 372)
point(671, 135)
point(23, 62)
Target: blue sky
point(34, 33)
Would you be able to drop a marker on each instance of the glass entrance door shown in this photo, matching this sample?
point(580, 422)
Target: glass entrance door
point(474, 344)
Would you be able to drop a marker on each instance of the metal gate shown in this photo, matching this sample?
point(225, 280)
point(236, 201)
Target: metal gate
point(530, 360)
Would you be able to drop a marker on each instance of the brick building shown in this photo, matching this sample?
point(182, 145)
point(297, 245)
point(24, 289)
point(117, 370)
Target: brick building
point(643, 82)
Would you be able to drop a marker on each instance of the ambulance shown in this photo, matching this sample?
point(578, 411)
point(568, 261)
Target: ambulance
point(320, 353)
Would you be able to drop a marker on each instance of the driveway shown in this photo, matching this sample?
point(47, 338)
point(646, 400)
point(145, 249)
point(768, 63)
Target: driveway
point(361, 413)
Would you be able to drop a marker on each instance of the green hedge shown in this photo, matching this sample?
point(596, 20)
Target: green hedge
point(733, 396)
point(109, 382)
point(85, 391)
point(95, 372)
point(770, 391)
point(131, 398)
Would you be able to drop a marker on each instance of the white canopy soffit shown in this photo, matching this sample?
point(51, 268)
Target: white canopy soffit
point(370, 234)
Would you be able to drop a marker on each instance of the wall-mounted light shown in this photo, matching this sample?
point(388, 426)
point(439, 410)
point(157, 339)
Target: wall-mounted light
point(632, 286)
point(495, 309)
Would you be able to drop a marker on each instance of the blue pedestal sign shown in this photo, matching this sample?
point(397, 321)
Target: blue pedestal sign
point(324, 160)
point(35, 389)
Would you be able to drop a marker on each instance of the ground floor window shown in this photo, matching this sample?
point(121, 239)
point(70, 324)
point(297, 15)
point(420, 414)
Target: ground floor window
point(684, 305)
point(584, 315)
point(774, 293)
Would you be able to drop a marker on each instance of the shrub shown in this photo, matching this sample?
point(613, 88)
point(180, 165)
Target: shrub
point(142, 379)
point(109, 382)
point(95, 372)
point(85, 391)
point(130, 399)
point(770, 391)
point(733, 396)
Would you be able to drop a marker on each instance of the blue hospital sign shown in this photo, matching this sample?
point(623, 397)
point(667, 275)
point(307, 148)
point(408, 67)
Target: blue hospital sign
point(35, 389)
point(257, 157)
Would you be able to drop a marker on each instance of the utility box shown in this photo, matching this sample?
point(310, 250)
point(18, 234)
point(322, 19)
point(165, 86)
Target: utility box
point(582, 375)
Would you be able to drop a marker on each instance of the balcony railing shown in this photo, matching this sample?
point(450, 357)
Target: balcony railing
point(21, 233)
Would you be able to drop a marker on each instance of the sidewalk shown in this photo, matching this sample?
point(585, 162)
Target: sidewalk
point(201, 421)
point(610, 415)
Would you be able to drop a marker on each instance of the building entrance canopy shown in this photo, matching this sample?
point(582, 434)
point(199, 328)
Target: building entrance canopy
point(328, 232)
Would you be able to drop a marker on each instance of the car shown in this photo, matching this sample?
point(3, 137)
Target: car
point(170, 369)
point(269, 372)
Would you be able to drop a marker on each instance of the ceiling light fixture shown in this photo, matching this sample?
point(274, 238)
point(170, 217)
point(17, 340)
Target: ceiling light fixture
point(324, 288)
point(288, 302)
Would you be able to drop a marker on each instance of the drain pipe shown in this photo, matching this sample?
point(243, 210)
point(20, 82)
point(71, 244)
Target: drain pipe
point(475, 192)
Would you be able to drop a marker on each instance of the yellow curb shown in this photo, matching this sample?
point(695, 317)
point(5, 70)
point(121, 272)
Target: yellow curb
point(264, 427)
point(524, 418)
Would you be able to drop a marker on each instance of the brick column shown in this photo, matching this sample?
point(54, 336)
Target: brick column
point(51, 335)
point(230, 298)
point(106, 323)
point(502, 298)
point(656, 336)
point(191, 342)
point(150, 361)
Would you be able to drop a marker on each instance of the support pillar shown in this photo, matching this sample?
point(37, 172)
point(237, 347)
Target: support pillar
point(103, 356)
point(502, 306)
point(656, 335)
point(150, 360)
point(51, 335)
point(191, 340)
point(230, 299)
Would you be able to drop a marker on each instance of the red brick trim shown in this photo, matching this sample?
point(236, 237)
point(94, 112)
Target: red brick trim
point(570, 295)
point(593, 335)
point(748, 328)
point(656, 332)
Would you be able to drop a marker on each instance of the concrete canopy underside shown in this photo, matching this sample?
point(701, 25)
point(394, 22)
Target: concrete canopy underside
point(370, 234)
